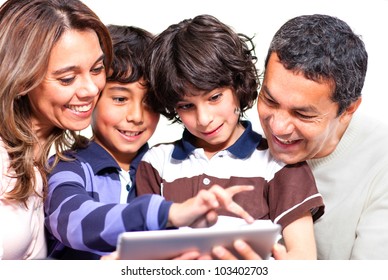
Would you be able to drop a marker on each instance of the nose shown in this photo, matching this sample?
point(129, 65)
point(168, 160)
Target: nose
point(135, 113)
point(280, 123)
point(204, 116)
point(89, 87)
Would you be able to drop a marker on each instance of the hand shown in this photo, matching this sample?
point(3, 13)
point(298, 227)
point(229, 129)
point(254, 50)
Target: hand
point(247, 253)
point(200, 211)
point(192, 255)
point(111, 256)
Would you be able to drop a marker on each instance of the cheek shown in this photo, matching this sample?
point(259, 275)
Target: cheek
point(264, 115)
point(152, 120)
point(104, 116)
point(100, 81)
point(261, 110)
point(186, 119)
point(49, 103)
point(313, 134)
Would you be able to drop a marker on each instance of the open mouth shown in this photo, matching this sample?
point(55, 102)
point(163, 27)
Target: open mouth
point(285, 141)
point(130, 133)
point(80, 108)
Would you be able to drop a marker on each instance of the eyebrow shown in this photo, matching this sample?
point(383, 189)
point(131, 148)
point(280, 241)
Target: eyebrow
point(119, 88)
point(310, 109)
point(73, 67)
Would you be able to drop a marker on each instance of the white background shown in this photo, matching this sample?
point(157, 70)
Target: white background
point(368, 18)
point(262, 19)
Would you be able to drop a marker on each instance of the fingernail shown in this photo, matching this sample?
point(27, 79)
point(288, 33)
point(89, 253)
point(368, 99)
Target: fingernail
point(218, 251)
point(276, 247)
point(238, 244)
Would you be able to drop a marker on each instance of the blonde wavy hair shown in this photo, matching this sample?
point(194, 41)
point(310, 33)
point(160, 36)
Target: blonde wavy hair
point(28, 32)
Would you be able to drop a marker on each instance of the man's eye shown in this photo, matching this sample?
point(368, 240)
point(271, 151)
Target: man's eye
point(303, 116)
point(268, 101)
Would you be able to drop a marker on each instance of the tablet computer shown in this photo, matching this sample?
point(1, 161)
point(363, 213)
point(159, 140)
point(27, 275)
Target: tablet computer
point(167, 244)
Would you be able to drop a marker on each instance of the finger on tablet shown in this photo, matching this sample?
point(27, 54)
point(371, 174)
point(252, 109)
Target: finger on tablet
point(191, 255)
point(223, 254)
point(246, 252)
point(238, 210)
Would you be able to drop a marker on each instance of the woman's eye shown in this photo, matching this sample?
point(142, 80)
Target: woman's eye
point(98, 70)
point(66, 81)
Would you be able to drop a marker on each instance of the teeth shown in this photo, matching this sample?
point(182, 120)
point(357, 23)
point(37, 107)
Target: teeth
point(131, 134)
point(80, 109)
point(285, 141)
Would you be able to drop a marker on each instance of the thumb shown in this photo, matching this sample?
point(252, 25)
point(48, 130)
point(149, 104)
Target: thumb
point(279, 252)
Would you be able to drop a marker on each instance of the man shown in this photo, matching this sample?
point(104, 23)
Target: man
point(315, 71)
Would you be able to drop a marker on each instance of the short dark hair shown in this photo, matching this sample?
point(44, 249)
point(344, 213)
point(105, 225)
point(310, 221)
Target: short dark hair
point(323, 48)
point(202, 54)
point(130, 44)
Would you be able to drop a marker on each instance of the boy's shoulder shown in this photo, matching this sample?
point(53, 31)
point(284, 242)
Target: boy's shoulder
point(161, 149)
point(92, 155)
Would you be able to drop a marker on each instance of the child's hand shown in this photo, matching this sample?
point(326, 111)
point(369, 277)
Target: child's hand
point(112, 256)
point(199, 211)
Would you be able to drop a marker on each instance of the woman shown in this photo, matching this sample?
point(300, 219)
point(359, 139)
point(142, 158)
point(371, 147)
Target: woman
point(53, 56)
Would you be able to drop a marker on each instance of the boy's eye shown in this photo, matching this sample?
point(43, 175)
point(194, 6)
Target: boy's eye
point(119, 99)
point(146, 104)
point(215, 97)
point(184, 106)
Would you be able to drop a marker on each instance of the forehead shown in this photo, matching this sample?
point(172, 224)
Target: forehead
point(133, 88)
point(294, 88)
point(75, 48)
point(192, 92)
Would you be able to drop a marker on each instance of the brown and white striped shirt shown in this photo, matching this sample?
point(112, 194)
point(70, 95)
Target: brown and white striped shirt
point(283, 193)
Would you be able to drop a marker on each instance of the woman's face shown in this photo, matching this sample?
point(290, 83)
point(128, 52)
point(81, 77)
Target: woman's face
point(70, 89)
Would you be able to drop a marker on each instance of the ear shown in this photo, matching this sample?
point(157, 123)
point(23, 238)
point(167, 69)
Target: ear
point(348, 113)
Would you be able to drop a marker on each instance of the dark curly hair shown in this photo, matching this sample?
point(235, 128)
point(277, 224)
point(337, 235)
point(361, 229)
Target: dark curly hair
point(130, 44)
point(201, 54)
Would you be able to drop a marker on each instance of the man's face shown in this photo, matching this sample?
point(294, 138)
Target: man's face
point(297, 115)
